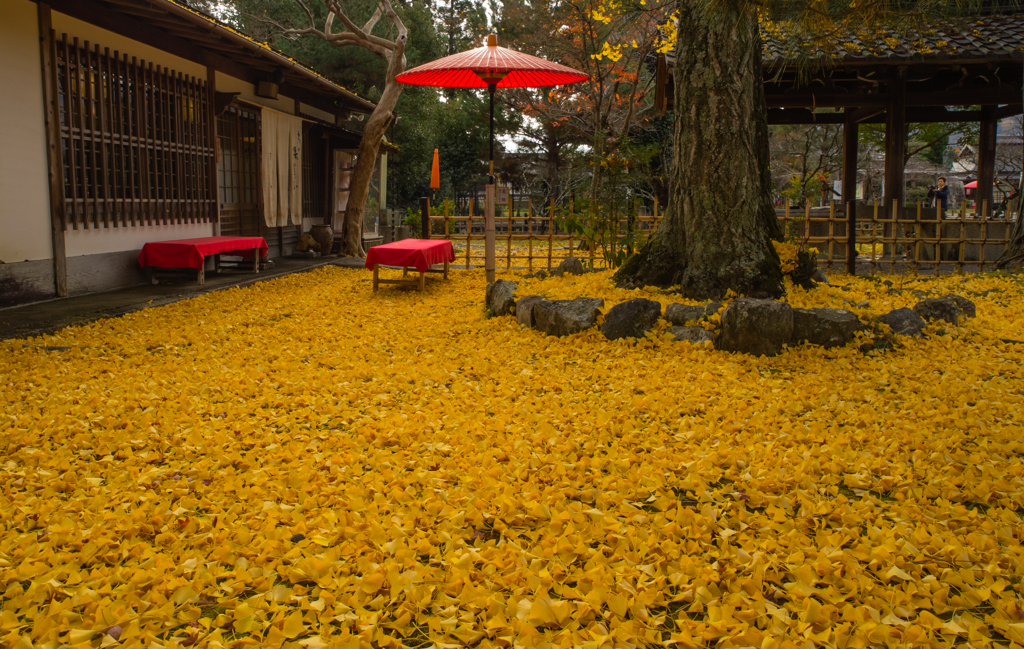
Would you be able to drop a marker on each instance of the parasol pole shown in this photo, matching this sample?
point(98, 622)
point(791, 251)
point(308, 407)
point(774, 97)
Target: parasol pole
point(489, 256)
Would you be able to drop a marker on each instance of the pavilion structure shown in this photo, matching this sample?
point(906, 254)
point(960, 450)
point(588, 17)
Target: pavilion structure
point(966, 73)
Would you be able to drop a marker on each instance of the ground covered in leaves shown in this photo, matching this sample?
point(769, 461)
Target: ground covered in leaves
point(303, 461)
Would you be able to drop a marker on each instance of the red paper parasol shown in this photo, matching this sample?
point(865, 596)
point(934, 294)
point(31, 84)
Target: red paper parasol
point(491, 67)
point(478, 68)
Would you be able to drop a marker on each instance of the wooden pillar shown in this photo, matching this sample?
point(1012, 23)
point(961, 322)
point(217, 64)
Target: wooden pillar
point(895, 138)
point(986, 157)
point(329, 186)
point(211, 117)
point(55, 163)
point(851, 131)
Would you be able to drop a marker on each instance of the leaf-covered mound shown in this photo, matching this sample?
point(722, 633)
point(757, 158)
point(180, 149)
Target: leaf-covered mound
point(306, 461)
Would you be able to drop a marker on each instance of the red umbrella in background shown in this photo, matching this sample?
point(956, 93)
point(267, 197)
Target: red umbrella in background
point(491, 67)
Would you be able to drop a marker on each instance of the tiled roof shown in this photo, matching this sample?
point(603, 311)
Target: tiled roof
point(989, 38)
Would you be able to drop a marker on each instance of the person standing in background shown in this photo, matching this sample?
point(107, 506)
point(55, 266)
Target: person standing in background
point(939, 195)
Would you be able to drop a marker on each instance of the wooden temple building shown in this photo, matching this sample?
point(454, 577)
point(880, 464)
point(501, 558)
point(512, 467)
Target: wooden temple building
point(133, 121)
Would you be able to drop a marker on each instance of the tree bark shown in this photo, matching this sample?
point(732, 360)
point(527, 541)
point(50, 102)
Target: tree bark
point(720, 221)
point(369, 145)
point(1013, 257)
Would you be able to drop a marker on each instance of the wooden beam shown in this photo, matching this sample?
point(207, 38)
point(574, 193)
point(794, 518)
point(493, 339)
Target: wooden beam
point(986, 156)
point(1011, 110)
point(895, 139)
point(783, 98)
point(920, 114)
point(55, 165)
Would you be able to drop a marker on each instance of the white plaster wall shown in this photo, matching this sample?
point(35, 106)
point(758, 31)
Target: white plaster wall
point(103, 240)
point(63, 24)
point(247, 91)
point(316, 112)
point(24, 183)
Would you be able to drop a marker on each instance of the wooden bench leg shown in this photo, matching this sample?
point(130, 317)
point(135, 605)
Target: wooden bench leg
point(256, 260)
point(423, 277)
point(376, 276)
point(216, 264)
point(446, 270)
point(151, 276)
point(202, 274)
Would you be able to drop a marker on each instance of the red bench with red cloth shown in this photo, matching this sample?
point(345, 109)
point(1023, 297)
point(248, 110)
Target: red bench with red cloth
point(192, 253)
point(420, 254)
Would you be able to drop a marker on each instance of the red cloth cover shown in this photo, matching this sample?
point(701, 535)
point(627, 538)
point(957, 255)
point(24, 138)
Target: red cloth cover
point(190, 253)
point(420, 253)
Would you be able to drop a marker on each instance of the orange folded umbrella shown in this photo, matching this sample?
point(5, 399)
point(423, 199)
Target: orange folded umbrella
point(435, 174)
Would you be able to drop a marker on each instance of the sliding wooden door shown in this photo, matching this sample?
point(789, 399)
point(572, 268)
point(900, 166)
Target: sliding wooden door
point(238, 172)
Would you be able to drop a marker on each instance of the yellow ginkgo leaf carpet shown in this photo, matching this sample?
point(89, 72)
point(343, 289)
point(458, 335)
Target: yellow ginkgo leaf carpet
point(304, 462)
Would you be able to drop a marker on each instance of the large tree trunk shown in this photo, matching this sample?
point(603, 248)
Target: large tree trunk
point(1013, 257)
point(369, 145)
point(719, 223)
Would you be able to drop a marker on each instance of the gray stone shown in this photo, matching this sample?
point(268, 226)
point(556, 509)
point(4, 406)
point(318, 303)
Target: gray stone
point(825, 327)
point(820, 277)
point(965, 305)
point(903, 321)
point(693, 335)
point(540, 274)
point(758, 327)
point(501, 297)
point(680, 314)
point(572, 266)
point(631, 319)
point(524, 309)
point(940, 308)
point(564, 317)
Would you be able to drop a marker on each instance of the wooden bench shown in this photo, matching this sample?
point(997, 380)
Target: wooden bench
point(420, 254)
point(192, 253)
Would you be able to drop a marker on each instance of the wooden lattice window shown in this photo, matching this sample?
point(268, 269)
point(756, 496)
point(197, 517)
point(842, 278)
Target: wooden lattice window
point(314, 171)
point(135, 141)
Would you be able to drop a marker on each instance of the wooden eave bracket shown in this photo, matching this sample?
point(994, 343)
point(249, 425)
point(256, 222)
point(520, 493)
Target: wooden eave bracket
point(222, 100)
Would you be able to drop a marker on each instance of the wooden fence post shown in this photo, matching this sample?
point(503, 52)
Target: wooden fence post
point(424, 218)
point(851, 237)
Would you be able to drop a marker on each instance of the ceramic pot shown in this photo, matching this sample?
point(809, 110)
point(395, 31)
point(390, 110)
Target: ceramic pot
point(324, 235)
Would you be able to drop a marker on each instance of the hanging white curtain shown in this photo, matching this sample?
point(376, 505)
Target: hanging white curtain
point(282, 168)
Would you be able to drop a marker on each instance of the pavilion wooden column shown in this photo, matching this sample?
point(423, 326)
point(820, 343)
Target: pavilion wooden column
point(986, 157)
point(895, 139)
point(851, 131)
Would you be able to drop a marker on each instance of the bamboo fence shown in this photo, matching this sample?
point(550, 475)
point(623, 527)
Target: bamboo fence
point(533, 239)
point(915, 238)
